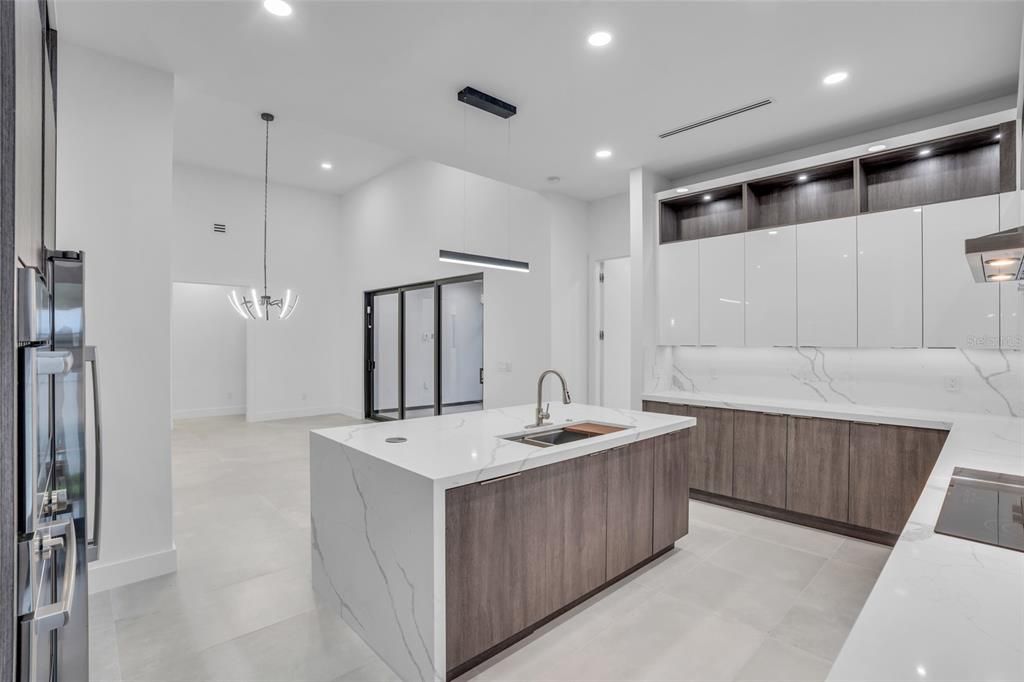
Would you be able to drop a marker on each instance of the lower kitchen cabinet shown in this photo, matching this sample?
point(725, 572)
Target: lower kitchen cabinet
point(485, 557)
point(712, 450)
point(759, 457)
point(818, 468)
point(565, 542)
point(889, 466)
point(671, 489)
point(520, 548)
point(630, 505)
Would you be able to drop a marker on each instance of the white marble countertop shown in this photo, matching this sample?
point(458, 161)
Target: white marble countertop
point(897, 416)
point(943, 608)
point(456, 449)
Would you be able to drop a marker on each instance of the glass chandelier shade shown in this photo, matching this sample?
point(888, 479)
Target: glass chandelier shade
point(253, 306)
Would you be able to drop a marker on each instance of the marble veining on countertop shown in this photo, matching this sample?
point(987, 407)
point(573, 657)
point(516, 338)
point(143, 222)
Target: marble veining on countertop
point(465, 447)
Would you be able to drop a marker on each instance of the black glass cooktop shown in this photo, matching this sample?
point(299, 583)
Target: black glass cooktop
point(984, 506)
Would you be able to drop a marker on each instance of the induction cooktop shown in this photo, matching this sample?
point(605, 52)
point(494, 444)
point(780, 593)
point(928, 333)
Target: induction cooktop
point(984, 506)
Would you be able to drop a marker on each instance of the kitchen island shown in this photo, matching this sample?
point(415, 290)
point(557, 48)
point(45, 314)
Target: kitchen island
point(442, 540)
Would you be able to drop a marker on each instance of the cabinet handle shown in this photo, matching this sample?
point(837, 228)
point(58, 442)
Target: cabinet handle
point(499, 478)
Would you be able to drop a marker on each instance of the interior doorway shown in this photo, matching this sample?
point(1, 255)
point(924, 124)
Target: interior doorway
point(208, 349)
point(611, 357)
point(424, 349)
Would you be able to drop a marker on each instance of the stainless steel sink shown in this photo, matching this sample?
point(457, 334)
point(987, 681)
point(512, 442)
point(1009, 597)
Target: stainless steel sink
point(561, 435)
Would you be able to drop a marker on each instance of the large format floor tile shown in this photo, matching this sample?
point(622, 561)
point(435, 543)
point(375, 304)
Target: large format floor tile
point(741, 597)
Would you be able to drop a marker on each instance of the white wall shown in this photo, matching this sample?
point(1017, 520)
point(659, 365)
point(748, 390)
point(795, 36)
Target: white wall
point(391, 230)
point(608, 227)
point(570, 265)
point(114, 147)
point(207, 352)
point(292, 367)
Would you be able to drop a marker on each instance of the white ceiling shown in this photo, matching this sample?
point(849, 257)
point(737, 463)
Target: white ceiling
point(213, 132)
point(388, 72)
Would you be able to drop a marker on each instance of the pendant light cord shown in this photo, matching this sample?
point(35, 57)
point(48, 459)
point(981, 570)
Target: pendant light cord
point(266, 185)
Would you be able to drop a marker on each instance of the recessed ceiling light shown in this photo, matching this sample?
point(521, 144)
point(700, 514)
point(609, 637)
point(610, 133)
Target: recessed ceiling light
point(917, 210)
point(707, 197)
point(1000, 278)
point(773, 231)
point(681, 190)
point(599, 38)
point(833, 78)
point(802, 177)
point(877, 147)
point(997, 136)
point(326, 165)
point(924, 152)
point(278, 8)
point(603, 153)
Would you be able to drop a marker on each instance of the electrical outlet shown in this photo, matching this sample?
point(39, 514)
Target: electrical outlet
point(952, 384)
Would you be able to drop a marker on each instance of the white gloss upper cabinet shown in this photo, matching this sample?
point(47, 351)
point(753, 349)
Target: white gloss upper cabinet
point(1011, 296)
point(889, 279)
point(958, 312)
point(826, 281)
point(678, 282)
point(721, 290)
point(770, 309)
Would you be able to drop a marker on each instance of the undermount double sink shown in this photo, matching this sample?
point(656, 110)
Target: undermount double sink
point(560, 435)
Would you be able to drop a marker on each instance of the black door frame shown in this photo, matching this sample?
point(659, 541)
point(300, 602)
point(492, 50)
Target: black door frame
point(368, 362)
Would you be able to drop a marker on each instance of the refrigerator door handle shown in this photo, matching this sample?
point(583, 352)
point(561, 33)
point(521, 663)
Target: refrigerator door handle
point(53, 616)
point(92, 550)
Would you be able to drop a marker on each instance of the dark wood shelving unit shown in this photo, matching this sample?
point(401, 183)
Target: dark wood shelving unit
point(691, 216)
point(971, 164)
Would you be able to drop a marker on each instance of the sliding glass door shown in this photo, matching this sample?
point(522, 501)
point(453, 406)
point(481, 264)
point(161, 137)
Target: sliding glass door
point(462, 346)
point(424, 349)
point(418, 356)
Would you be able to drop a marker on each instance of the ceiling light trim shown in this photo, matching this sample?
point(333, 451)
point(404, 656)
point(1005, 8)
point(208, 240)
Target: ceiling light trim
point(463, 258)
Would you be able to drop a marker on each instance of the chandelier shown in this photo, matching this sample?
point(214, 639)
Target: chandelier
point(258, 306)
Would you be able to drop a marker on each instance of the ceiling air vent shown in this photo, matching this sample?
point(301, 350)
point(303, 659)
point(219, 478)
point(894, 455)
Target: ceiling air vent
point(220, 228)
point(717, 117)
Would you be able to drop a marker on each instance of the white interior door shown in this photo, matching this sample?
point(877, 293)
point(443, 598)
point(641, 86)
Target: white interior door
point(613, 332)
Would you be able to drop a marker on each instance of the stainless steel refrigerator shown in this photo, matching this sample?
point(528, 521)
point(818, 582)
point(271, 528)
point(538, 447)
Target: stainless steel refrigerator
point(53, 468)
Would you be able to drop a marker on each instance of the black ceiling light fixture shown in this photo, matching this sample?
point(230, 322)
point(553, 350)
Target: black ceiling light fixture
point(502, 109)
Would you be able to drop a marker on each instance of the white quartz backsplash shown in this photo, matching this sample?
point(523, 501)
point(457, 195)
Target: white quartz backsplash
point(956, 380)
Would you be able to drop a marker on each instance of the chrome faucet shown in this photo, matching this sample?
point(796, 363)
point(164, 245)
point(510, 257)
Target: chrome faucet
point(542, 412)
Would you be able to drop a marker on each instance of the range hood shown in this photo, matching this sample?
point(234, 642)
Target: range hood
point(997, 257)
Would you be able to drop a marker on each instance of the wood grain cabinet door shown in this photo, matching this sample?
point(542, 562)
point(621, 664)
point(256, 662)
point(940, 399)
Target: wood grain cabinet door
point(889, 466)
point(565, 506)
point(671, 488)
point(818, 468)
point(712, 451)
point(759, 457)
point(485, 566)
point(630, 505)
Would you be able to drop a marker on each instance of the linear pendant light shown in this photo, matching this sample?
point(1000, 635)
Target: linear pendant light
point(482, 261)
point(495, 106)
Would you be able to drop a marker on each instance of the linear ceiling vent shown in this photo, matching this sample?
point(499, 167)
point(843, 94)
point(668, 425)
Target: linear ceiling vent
point(220, 228)
point(717, 117)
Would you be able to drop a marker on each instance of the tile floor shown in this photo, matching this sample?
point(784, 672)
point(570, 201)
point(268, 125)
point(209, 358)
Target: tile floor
point(740, 598)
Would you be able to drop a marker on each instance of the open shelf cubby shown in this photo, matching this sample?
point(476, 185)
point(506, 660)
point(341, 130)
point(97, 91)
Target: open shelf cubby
point(960, 167)
point(970, 164)
point(804, 196)
point(703, 214)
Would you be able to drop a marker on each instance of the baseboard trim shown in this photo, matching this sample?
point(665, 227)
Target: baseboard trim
point(209, 412)
point(293, 414)
point(104, 576)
